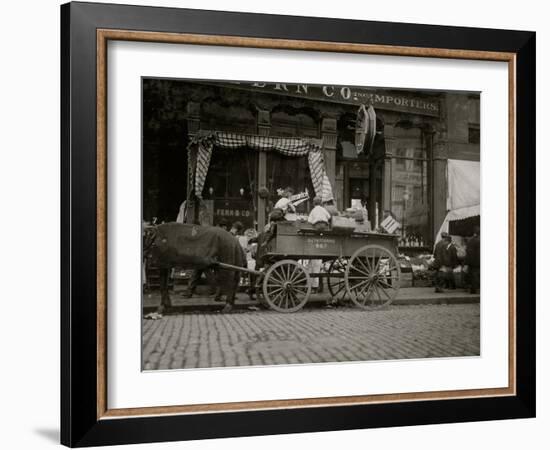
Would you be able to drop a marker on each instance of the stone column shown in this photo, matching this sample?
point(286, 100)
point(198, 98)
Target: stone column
point(329, 135)
point(338, 187)
point(389, 138)
point(440, 155)
point(264, 128)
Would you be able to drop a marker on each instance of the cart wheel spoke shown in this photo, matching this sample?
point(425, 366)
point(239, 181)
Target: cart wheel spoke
point(341, 287)
point(300, 280)
point(366, 267)
point(386, 285)
point(277, 297)
point(275, 292)
point(295, 273)
point(274, 286)
point(288, 299)
point(356, 286)
point(377, 267)
point(365, 295)
point(354, 268)
point(299, 288)
point(376, 258)
point(336, 278)
point(277, 277)
point(284, 301)
point(384, 291)
point(293, 298)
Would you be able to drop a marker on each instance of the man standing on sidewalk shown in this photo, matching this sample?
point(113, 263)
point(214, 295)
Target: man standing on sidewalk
point(445, 260)
point(472, 260)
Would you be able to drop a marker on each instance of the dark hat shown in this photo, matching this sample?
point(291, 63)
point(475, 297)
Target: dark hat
point(444, 235)
point(238, 226)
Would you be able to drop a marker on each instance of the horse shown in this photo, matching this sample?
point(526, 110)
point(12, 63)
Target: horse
point(196, 247)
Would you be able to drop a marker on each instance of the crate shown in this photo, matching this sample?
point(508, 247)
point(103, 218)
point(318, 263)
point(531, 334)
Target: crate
point(344, 224)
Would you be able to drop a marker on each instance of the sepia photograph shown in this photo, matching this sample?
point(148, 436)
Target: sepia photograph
point(288, 223)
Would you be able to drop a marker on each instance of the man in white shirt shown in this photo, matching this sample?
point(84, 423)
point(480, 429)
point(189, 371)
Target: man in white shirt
point(319, 217)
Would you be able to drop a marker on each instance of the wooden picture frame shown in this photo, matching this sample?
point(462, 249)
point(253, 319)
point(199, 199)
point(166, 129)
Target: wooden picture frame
point(85, 416)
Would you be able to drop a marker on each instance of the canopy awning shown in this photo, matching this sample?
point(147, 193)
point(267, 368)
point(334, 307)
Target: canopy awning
point(463, 193)
point(312, 148)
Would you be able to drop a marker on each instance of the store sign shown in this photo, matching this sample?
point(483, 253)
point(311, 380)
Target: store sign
point(234, 211)
point(365, 129)
point(231, 212)
point(348, 94)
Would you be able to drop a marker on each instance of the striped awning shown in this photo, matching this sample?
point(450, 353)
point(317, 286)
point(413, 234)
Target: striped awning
point(205, 142)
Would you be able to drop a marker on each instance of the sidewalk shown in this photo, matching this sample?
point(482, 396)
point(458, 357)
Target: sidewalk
point(406, 296)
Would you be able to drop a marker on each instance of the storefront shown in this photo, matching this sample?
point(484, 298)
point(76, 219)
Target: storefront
point(403, 171)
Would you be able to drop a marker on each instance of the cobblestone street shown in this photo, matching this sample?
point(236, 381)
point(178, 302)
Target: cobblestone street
point(309, 336)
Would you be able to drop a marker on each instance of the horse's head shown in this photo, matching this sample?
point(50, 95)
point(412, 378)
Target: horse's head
point(148, 236)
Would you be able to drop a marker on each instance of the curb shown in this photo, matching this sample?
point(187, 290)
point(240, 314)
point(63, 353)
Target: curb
point(207, 305)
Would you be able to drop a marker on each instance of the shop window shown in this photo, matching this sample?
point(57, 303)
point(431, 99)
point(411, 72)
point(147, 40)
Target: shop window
point(230, 186)
point(283, 171)
point(400, 160)
point(359, 192)
point(231, 174)
point(409, 193)
point(473, 134)
point(419, 155)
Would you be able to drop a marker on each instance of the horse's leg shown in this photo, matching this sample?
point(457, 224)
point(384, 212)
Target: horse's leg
point(251, 286)
point(213, 277)
point(232, 285)
point(165, 301)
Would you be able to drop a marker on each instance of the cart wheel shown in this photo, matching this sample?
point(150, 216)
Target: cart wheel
point(286, 286)
point(336, 281)
point(372, 277)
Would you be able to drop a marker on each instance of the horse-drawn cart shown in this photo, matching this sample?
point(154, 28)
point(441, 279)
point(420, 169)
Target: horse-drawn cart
point(361, 266)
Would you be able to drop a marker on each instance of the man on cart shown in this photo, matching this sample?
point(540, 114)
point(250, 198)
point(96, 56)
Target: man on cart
point(319, 217)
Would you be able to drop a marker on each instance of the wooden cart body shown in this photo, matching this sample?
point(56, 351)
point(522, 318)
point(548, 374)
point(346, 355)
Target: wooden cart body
point(298, 240)
point(362, 266)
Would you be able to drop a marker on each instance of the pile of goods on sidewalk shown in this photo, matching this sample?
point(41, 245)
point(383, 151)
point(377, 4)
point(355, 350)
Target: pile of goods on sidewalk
point(421, 268)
